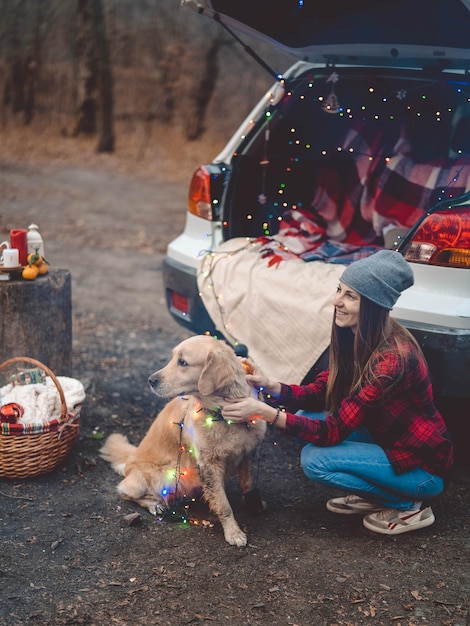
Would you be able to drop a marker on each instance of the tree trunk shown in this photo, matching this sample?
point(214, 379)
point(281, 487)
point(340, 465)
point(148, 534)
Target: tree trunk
point(105, 84)
point(36, 320)
point(23, 56)
point(170, 67)
point(87, 69)
point(195, 123)
point(14, 87)
point(94, 84)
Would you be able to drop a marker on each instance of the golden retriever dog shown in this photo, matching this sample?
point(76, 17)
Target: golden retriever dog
point(190, 446)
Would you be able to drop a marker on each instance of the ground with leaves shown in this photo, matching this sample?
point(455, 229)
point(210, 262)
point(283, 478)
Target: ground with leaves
point(71, 555)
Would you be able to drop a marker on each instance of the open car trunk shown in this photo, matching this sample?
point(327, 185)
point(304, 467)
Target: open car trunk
point(365, 148)
point(407, 33)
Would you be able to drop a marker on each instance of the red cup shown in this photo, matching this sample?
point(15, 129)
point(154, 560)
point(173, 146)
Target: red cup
point(19, 240)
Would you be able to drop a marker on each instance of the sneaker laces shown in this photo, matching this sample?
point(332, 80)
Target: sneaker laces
point(386, 513)
point(352, 498)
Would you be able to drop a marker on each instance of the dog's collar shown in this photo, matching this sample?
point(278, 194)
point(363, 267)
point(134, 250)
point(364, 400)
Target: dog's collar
point(214, 413)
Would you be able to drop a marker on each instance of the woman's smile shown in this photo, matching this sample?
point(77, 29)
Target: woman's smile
point(347, 303)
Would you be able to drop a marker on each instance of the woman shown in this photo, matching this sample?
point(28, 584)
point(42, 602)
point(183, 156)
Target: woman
point(382, 438)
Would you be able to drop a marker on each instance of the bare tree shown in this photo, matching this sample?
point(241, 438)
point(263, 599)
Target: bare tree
point(33, 62)
point(15, 86)
point(95, 102)
point(142, 64)
point(23, 30)
point(204, 90)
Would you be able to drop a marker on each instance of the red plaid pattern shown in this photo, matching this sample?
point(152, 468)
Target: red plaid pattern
point(404, 422)
point(372, 182)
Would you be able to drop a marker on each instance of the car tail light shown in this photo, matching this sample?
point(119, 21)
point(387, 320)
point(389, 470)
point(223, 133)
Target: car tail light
point(199, 201)
point(442, 238)
point(205, 191)
point(179, 303)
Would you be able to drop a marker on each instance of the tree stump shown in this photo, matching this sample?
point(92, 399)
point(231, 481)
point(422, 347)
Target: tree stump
point(36, 320)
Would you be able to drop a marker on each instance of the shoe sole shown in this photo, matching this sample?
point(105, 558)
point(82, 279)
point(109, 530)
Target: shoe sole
point(351, 511)
point(400, 528)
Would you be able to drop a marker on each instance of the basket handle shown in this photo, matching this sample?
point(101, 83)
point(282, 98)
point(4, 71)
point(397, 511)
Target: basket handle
point(26, 359)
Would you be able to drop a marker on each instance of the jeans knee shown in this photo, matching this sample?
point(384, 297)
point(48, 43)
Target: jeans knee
point(430, 488)
point(311, 462)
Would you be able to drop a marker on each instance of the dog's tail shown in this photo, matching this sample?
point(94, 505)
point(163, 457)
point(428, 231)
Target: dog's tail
point(117, 451)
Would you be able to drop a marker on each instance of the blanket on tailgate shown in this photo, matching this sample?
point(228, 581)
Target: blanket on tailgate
point(282, 314)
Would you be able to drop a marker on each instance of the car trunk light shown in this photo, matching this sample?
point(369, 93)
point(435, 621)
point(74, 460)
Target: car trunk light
point(179, 302)
point(199, 200)
point(453, 258)
point(443, 238)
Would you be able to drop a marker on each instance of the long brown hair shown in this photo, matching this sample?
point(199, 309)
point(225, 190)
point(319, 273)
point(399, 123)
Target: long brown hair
point(351, 363)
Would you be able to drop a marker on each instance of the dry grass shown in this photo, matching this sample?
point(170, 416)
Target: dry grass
point(156, 152)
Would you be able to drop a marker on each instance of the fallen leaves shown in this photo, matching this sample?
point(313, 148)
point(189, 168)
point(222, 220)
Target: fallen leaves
point(56, 544)
point(133, 519)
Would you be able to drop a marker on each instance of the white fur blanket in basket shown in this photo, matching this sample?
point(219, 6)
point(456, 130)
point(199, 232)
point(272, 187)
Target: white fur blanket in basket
point(41, 402)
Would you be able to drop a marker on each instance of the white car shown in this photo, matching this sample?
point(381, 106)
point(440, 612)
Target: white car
point(363, 143)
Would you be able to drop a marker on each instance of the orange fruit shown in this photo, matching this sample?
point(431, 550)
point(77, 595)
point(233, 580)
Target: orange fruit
point(30, 272)
point(34, 259)
point(42, 268)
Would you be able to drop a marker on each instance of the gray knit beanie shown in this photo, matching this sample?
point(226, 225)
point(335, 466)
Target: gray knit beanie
point(380, 277)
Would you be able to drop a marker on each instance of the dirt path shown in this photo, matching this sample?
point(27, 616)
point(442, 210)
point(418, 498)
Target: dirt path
point(68, 557)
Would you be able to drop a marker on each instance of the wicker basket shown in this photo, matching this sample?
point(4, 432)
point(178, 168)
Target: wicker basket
point(35, 449)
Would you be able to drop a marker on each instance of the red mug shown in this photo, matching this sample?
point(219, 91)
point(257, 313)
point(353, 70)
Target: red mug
point(19, 240)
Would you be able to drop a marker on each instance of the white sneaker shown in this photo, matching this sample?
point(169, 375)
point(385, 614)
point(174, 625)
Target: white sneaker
point(395, 522)
point(352, 505)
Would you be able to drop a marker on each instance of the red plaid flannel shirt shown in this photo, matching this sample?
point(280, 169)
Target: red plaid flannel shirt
point(404, 422)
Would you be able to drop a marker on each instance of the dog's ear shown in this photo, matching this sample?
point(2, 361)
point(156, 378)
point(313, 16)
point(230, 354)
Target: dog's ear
point(218, 372)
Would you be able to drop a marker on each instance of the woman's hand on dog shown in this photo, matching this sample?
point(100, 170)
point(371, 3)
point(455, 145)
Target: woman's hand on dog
point(259, 380)
point(247, 409)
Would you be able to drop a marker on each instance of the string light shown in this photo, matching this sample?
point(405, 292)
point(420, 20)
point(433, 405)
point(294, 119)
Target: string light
point(373, 108)
point(178, 507)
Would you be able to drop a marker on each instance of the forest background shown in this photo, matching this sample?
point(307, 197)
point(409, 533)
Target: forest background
point(138, 78)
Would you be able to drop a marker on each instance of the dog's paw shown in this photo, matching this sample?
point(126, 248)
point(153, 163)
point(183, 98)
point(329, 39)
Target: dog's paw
point(236, 537)
point(155, 508)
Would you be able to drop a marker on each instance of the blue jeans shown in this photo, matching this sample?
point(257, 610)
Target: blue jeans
point(360, 466)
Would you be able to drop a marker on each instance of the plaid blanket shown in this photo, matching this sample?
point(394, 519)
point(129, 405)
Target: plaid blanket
point(400, 190)
point(371, 184)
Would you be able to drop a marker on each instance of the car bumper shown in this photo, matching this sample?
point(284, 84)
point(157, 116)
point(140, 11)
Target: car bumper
point(448, 357)
point(182, 297)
